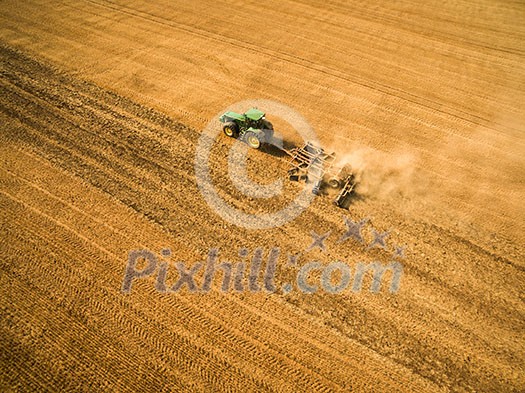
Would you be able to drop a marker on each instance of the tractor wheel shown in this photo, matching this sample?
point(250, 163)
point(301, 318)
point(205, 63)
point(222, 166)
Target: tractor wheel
point(230, 129)
point(252, 140)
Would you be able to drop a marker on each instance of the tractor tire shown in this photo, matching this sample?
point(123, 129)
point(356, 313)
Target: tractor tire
point(252, 140)
point(230, 129)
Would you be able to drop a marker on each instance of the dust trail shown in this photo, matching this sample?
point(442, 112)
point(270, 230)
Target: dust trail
point(382, 175)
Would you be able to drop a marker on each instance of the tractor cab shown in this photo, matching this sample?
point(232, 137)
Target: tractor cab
point(253, 117)
point(251, 126)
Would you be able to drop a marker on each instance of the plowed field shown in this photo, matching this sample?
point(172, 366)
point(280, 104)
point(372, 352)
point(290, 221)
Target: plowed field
point(102, 106)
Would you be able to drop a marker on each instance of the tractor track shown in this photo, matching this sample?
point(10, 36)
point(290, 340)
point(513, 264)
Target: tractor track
point(302, 62)
point(54, 148)
point(55, 134)
point(87, 175)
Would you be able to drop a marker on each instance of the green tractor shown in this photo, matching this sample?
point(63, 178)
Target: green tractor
point(250, 127)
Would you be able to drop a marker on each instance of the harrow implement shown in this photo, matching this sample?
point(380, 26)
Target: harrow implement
point(312, 164)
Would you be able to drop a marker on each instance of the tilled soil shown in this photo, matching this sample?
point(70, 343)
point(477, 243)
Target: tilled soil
point(93, 167)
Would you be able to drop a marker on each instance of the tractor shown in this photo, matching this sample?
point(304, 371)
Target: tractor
point(250, 127)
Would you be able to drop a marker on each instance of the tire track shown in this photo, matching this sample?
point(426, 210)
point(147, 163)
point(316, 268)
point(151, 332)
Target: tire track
point(295, 368)
point(299, 61)
point(205, 321)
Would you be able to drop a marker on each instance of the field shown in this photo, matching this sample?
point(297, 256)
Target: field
point(102, 107)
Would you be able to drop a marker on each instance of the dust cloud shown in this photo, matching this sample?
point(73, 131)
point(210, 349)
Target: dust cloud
point(383, 175)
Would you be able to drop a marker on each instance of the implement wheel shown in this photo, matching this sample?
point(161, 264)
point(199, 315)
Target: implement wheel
point(334, 183)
